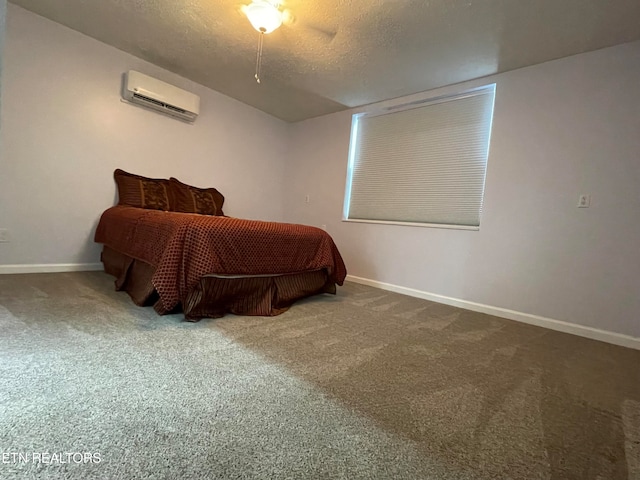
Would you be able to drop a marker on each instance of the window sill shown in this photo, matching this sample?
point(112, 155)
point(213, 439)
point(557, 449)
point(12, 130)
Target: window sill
point(415, 224)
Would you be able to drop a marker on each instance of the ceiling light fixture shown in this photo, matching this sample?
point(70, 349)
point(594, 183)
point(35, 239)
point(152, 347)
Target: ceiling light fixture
point(265, 17)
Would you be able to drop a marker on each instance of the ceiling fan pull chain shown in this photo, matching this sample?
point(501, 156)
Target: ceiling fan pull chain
point(259, 56)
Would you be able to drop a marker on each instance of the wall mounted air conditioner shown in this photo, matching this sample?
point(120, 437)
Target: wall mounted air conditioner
point(153, 93)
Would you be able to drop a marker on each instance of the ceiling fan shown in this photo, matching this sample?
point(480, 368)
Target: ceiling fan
point(266, 16)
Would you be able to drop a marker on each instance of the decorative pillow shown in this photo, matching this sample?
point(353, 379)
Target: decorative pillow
point(143, 192)
point(189, 199)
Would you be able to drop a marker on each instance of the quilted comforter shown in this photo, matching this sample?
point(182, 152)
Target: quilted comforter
point(185, 247)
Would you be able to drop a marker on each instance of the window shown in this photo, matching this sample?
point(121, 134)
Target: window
point(422, 163)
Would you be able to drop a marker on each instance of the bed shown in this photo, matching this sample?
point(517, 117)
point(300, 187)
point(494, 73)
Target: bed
point(209, 264)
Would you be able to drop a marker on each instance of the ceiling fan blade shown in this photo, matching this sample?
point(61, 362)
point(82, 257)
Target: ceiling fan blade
point(240, 8)
point(290, 20)
point(328, 33)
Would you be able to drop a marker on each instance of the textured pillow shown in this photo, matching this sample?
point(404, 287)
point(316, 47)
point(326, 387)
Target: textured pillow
point(143, 192)
point(189, 199)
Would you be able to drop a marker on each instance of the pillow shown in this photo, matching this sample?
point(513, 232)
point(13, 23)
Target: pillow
point(189, 199)
point(143, 192)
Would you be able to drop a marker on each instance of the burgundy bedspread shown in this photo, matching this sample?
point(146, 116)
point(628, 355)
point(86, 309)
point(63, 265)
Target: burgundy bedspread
point(185, 247)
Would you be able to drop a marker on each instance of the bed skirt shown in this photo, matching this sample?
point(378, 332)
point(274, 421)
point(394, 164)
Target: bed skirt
point(216, 295)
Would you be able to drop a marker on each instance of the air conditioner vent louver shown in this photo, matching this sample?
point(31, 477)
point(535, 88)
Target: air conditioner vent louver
point(159, 103)
point(175, 109)
point(148, 99)
point(160, 96)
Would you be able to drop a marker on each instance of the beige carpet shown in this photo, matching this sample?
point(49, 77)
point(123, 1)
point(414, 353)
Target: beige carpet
point(365, 384)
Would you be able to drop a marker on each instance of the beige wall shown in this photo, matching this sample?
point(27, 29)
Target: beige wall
point(65, 130)
point(560, 129)
point(3, 14)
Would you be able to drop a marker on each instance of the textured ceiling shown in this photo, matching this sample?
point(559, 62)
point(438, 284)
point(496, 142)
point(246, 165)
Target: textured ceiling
point(337, 54)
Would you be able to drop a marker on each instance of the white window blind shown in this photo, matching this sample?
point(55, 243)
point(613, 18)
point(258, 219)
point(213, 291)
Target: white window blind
point(421, 163)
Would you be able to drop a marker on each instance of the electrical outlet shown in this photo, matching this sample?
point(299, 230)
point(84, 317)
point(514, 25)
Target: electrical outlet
point(307, 199)
point(584, 201)
point(4, 235)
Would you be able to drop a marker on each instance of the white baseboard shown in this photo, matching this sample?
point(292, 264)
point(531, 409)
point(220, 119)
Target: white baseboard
point(51, 268)
point(558, 325)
